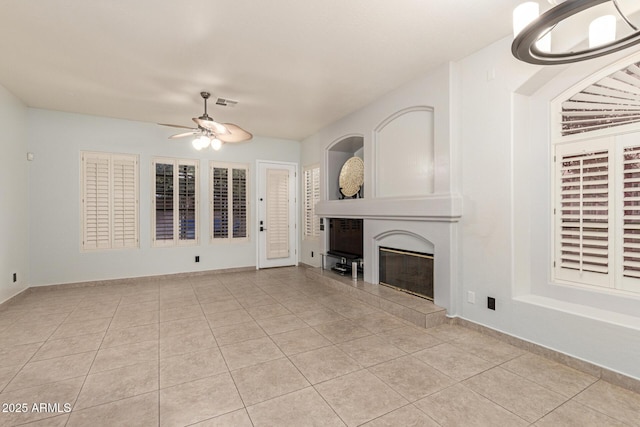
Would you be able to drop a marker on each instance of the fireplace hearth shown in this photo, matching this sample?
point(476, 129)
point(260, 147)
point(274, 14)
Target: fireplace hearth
point(406, 270)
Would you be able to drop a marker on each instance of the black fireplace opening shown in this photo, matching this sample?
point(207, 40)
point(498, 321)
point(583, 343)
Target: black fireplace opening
point(409, 271)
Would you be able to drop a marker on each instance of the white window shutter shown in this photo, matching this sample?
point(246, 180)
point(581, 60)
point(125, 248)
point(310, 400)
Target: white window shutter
point(631, 213)
point(175, 202)
point(315, 185)
point(611, 101)
point(311, 197)
point(308, 202)
point(220, 196)
point(109, 201)
point(187, 203)
point(239, 203)
point(229, 201)
point(277, 240)
point(163, 201)
point(96, 212)
point(583, 215)
point(125, 201)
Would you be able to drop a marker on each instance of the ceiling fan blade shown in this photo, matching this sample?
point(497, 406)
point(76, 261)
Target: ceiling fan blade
point(236, 134)
point(215, 127)
point(176, 126)
point(182, 135)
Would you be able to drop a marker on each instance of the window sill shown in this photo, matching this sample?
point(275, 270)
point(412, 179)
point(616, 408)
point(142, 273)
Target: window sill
point(599, 314)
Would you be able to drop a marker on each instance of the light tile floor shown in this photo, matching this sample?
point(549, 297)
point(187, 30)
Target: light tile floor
point(271, 348)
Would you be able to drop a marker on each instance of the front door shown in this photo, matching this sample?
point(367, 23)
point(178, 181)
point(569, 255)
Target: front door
point(277, 214)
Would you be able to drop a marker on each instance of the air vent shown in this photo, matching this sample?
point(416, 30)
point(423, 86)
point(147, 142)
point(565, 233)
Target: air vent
point(226, 102)
point(611, 101)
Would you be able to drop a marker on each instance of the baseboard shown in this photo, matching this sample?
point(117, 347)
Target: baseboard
point(141, 279)
point(589, 368)
point(13, 299)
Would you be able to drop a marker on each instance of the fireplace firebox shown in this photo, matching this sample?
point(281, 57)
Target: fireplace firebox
point(407, 270)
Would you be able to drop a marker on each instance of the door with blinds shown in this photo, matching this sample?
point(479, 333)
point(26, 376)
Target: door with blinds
point(277, 214)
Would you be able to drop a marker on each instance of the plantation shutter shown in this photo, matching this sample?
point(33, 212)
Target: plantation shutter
point(220, 203)
point(277, 240)
point(125, 201)
point(583, 214)
point(316, 199)
point(163, 201)
point(109, 201)
point(175, 202)
point(96, 206)
point(229, 200)
point(311, 197)
point(631, 213)
point(186, 202)
point(612, 101)
point(239, 197)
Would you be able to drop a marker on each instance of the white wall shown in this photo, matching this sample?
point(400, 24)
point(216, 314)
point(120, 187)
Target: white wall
point(496, 127)
point(506, 227)
point(57, 138)
point(426, 91)
point(14, 178)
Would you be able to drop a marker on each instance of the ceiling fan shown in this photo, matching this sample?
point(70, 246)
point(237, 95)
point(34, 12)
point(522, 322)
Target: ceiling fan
point(209, 132)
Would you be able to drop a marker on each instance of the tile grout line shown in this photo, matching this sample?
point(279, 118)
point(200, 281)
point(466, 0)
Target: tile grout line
point(244, 406)
point(73, 406)
point(35, 352)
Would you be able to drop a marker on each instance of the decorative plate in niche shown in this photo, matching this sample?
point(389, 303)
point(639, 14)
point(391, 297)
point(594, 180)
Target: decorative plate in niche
point(351, 177)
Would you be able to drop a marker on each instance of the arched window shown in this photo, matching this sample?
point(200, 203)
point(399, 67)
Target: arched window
point(597, 183)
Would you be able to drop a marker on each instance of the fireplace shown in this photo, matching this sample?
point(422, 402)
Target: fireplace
point(407, 270)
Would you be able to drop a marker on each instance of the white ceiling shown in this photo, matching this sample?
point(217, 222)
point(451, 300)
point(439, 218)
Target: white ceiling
point(294, 66)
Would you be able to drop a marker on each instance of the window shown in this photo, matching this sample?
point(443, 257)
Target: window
point(597, 213)
point(311, 197)
point(109, 201)
point(604, 104)
point(229, 201)
point(175, 202)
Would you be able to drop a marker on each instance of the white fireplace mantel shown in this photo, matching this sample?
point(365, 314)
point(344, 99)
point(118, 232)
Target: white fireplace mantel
point(408, 221)
point(442, 208)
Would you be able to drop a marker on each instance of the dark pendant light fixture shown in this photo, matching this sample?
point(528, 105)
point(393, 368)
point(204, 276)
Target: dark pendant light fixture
point(532, 45)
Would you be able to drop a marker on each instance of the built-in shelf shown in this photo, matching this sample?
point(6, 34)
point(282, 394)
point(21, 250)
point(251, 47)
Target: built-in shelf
point(446, 208)
point(337, 155)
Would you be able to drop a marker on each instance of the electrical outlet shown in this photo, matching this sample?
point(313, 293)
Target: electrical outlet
point(491, 303)
point(197, 258)
point(15, 277)
point(471, 297)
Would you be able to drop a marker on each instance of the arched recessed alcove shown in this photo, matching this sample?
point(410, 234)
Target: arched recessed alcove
point(338, 153)
point(404, 153)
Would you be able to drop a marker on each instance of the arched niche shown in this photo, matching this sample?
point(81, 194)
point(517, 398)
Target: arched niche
point(404, 153)
point(338, 152)
point(404, 240)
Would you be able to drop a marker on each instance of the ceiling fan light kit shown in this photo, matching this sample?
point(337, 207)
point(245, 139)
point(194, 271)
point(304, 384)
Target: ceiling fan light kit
point(533, 32)
point(209, 132)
